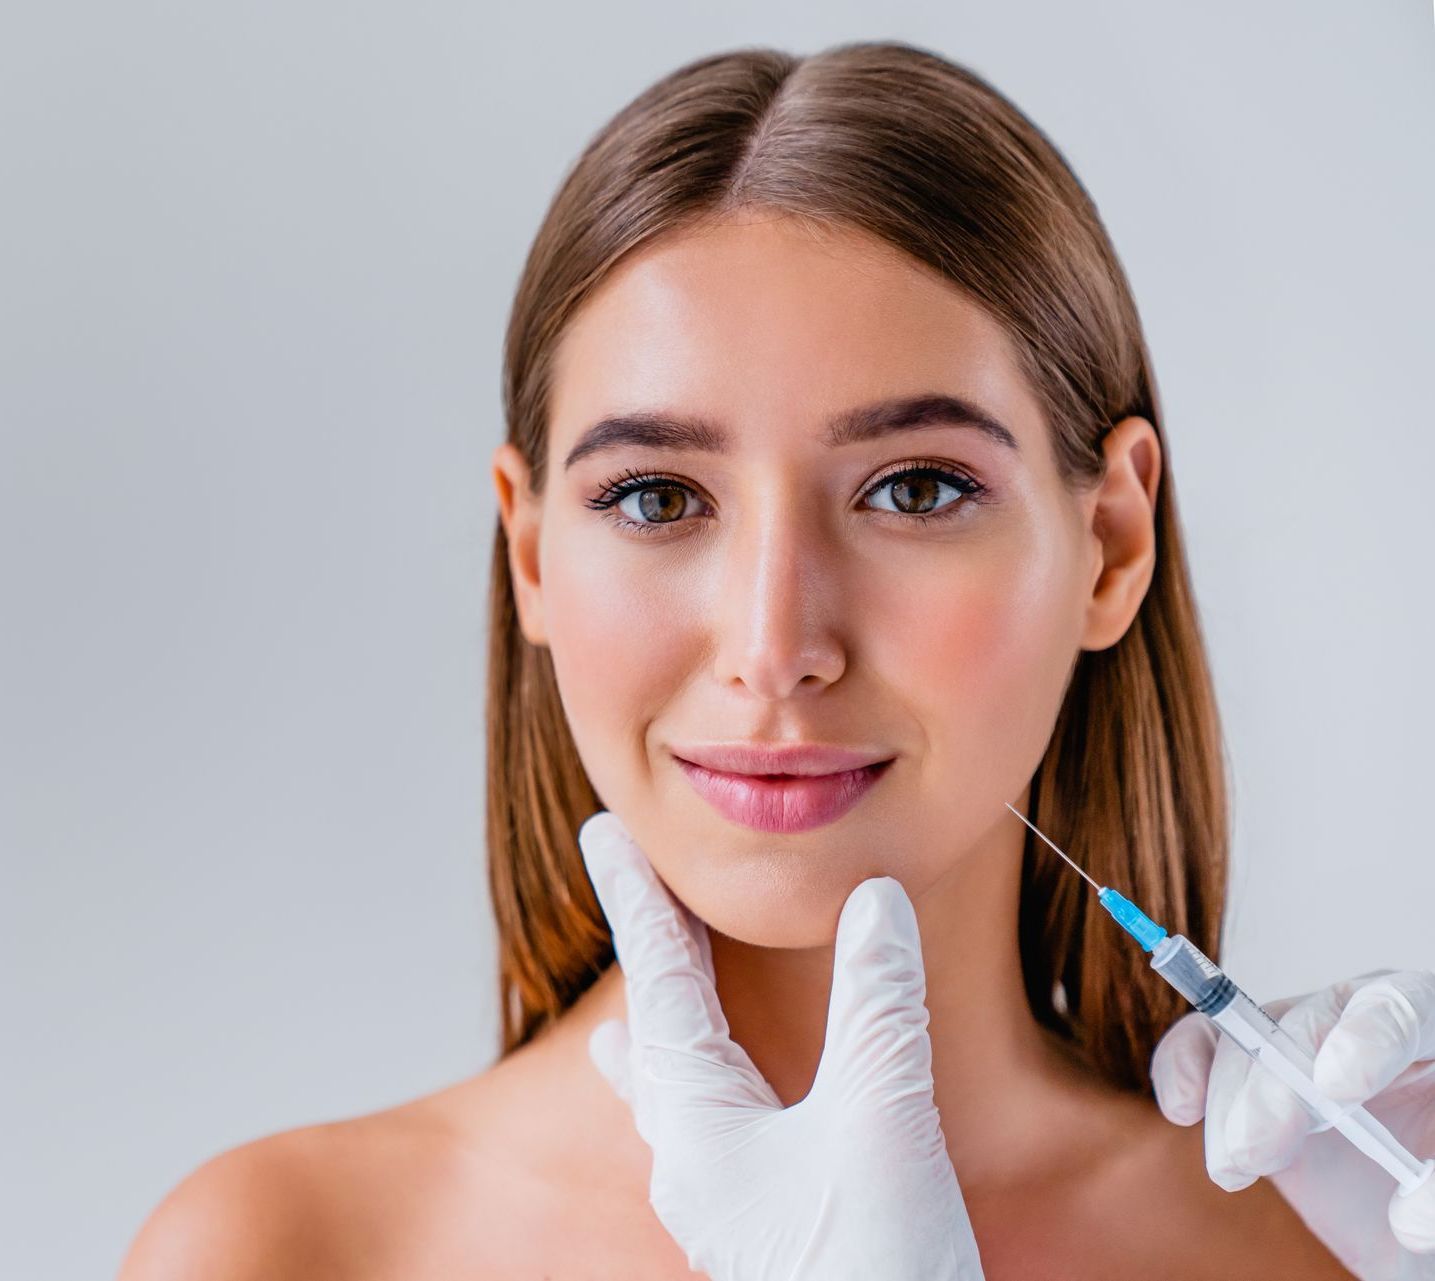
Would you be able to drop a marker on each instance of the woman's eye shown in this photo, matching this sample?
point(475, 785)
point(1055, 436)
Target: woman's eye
point(655, 504)
point(645, 502)
point(916, 491)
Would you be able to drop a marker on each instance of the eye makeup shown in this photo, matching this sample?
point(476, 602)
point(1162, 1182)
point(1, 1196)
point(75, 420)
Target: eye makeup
point(970, 491)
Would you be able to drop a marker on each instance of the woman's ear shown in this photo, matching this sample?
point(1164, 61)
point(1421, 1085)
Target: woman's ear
point(520, 510)
point(1122, 521)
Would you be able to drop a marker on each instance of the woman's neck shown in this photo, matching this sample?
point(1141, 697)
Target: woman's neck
point(1000, 1079)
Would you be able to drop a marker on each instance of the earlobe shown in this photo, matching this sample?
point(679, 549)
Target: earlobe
point(520, 511)
point(1123, 523)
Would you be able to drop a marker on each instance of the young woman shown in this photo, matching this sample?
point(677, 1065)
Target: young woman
point(834, 451)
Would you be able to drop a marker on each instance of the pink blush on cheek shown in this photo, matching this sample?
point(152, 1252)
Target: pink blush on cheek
point(960, 641)
point(620, 653)
point(983, 669)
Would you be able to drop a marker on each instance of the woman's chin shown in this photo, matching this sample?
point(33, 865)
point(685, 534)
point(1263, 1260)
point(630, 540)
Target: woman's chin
point(771, 902)
point(773, 929)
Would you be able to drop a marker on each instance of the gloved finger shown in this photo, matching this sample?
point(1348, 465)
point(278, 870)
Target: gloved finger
point(1412, 1218)
point(610, 1048)
point(1181, 1068)
point(1267, 1122)
point(698, 928)
point(674, 1016)
point(1386, 1025)
point(671, 998)
point(1229, 1068)
point(876, 1042)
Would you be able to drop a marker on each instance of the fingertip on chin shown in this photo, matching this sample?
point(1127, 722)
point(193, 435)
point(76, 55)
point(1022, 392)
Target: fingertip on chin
point(612, 858)
point(599, 828)
point(877, 899)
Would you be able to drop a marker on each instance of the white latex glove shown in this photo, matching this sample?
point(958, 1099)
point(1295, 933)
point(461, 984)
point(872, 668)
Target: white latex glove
point(854, 1180)
point(1373, 1039)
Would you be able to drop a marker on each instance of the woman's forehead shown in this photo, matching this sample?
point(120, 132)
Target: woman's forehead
point(766, 322)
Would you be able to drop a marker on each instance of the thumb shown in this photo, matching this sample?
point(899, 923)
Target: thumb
point(609, 1048)
point(877, 1040)
point(1412, 1217)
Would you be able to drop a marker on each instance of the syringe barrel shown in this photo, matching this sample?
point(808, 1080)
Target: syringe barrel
point(1182, 964)
point(1192, 973)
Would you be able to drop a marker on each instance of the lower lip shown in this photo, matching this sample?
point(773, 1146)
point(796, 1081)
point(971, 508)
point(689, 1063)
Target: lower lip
point(771, 804)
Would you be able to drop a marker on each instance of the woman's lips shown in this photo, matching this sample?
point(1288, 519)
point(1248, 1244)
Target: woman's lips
point(782, 803)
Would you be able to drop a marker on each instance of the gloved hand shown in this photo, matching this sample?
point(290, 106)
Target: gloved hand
point(1373, 1039)
point(853, 1181)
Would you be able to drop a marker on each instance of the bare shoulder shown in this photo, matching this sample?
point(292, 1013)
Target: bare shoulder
point(241, 1215)
point(1166, 1175)
point(341, 1198)
point(1118, 1161)
point(529, 1165)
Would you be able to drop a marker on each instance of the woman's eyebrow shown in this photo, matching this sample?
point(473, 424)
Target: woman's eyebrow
point(653, 430)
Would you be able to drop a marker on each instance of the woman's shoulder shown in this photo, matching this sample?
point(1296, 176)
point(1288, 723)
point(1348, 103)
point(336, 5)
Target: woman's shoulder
point(490, 1177)
point(1123, 1191)
point(1177, 1210)
point(293, 1203)
point(245, 1213)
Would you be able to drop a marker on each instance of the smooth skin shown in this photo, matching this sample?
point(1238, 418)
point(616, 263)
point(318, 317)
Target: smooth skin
point(781, 595)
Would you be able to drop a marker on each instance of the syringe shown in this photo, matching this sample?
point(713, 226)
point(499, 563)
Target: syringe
point(1193, 974)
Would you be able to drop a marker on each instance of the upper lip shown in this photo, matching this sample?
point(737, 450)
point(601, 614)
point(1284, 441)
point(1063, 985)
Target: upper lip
point(778, 758)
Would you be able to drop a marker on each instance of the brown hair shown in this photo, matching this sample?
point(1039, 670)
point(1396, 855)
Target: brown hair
point(899, 142)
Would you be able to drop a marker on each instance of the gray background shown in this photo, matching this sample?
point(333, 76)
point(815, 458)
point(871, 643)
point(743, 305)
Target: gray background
point(256, 264)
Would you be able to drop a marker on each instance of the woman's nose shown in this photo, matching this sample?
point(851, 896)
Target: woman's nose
point(780, 619)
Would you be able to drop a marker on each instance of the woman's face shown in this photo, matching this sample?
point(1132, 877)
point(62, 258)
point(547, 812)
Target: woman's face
point(763, 584)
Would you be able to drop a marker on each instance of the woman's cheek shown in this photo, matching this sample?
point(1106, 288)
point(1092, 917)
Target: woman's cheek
point(985, 666)
point(593, 636)
point(613, 637)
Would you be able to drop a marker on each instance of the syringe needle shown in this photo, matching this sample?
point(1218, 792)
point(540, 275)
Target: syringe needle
point(1034, 828)
point(1121, 909)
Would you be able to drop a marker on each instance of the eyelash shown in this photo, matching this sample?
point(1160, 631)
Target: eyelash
point(616, 488)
